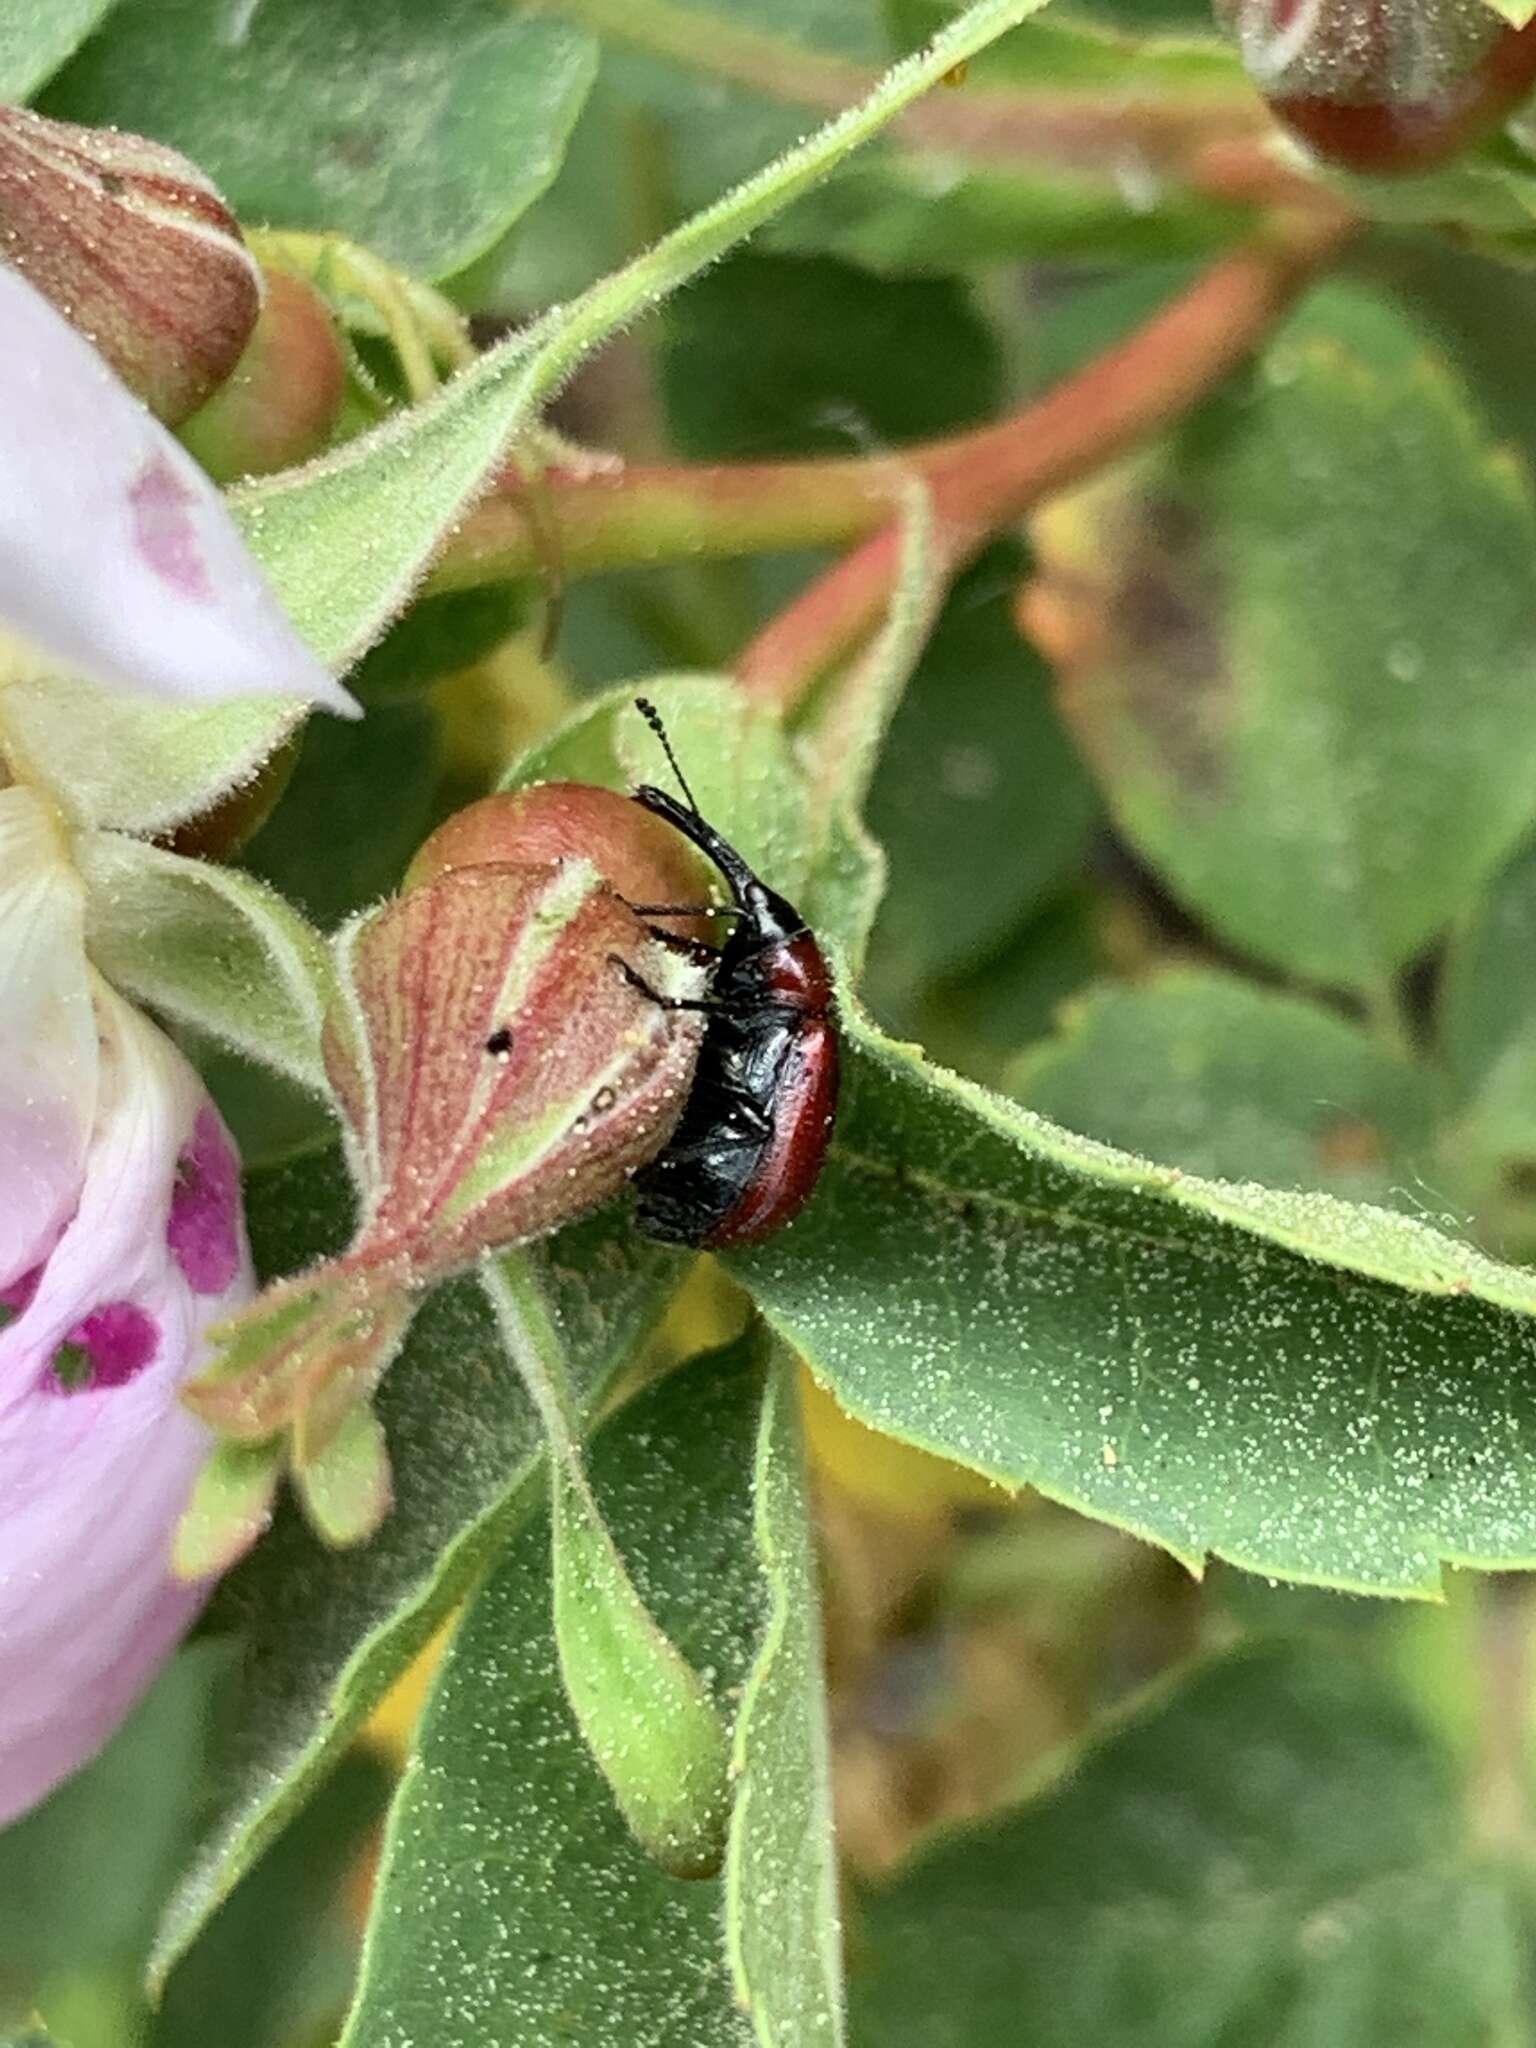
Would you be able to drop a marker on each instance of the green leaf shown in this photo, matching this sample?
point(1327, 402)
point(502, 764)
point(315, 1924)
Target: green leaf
point(325, 1634)
point(423, 132)
point(81, 1877)
point(1488, 1031)
point(513, 1904)
point(976, 1021)
point(730, 90)
point(1266, 1854)
point(275, 1965)
point(1488, 1001)
point(773, 355)
point(844, 889)
point(345, 539)
point(642, 1709)
point(976, 762)
point(885, 215)
point(210, 947)
point(365, 794)
point(1201, 1070)
point(781, 1881)
point(35, 41)
point(447, 630)
point(130, 763)
point(735, 756)
point(80, 1874)
point(1311, 1389)
point(1516, 12)
point(1276, 616)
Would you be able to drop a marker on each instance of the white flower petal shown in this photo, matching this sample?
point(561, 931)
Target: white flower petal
point(117, 556)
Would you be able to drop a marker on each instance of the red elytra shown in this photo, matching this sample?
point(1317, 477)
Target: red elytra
point(805, 1106)
point(753, 1135)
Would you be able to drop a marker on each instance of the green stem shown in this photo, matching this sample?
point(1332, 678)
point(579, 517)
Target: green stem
point(533, 1345)
point(643, 1711)
point(605, 516)
point(845, 740)
point(568, 333)
point(983, 483)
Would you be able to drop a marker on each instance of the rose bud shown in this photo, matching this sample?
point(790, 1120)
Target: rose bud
point(1384, 85)
point(281, 400)
point(643, 858)
point(498, 1075)
point(137, 250)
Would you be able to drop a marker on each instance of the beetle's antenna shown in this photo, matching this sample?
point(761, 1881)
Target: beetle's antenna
point(652, 717)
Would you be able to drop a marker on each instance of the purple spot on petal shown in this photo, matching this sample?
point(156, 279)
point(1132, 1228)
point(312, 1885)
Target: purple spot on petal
point(203, 1231)
point(108, 1349)
point(163, 530)
point(18, 1295)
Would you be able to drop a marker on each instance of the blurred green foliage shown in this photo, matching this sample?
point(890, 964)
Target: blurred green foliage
point(1204, 824)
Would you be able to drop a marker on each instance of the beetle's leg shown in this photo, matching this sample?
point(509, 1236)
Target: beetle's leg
point(638, 981)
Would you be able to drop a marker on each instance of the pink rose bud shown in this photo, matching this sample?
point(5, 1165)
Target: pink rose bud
point(640, 855)
point(136, 248)
point(1384, 85)
point(121, 1241)
point(498, 1075)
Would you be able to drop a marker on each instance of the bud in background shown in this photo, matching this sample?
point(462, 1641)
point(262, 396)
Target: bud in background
point(1384, 85)
point(137, 250)
point(498, 1075)
point(281, 401)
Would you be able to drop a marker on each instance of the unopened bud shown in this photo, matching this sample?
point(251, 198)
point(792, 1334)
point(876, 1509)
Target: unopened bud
point(134, 247)
point(1384, 85)
point(281, 401)
point(500, 1070)
point(642, 858)
point(504, 1055)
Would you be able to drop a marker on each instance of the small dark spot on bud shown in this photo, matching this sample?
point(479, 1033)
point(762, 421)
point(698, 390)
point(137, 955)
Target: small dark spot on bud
point(499, 1044)
point(604, 1099)
point(113, 185)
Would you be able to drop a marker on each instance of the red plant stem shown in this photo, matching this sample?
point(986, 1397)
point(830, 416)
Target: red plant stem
point(612, 516)
point(983, 481)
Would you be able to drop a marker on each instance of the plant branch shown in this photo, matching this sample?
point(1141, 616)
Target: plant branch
point(984, 481)
point(594, 516)
point(618, 516)
point(985, 123)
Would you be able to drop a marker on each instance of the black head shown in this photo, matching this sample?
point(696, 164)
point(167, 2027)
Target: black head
point(768, 914)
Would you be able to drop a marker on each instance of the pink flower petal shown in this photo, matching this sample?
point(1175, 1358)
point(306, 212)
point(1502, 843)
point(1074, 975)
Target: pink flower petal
point(117, 555)
point(204, 1227)
point(93, 1479)
point(47, 1034)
